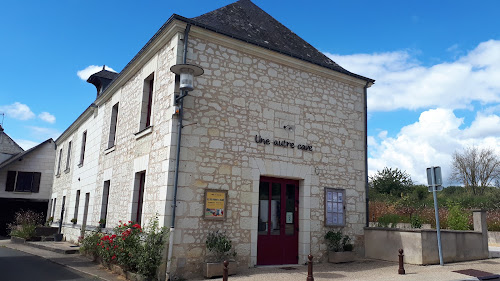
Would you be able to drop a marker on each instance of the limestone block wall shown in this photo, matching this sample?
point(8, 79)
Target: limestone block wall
point(247, 92)
point(79, 176)
point(39, 160)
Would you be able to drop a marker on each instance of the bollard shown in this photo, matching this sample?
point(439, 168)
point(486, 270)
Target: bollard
point(401, 269)
point(224, 273)
point(310, 269)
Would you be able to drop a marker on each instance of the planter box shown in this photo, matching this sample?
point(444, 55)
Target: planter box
point(45, 231)
point(213, 269)
point(340, 257)
point(17, 240)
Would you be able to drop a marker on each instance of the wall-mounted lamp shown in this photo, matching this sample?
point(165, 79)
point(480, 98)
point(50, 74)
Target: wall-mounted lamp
point(187, 73)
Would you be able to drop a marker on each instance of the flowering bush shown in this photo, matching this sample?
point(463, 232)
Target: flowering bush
point(130, 247)
point(25, 223)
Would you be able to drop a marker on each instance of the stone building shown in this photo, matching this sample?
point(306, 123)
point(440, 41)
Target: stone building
point(25, 178)
point(273, 146)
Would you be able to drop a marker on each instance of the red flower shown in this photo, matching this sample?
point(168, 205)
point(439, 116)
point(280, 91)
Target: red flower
point(113, 236)
point(113, 257)
point(107, 248)
point(136, 226)
point(129, 221)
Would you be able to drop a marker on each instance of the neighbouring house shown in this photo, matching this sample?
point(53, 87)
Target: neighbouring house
point(25, 178)
point(272, 151)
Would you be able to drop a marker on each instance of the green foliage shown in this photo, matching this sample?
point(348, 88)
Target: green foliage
point(391, 181)
point(220, 246)
point(25, 223)
point(338, 242)
point(388, 220)
point(416, 221)
point(457, 219)
point(130, 247)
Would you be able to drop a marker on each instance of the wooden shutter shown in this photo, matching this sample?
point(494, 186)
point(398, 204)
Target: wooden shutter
point(35, 184)
point(11, 181)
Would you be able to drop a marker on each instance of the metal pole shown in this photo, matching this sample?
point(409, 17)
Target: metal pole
point(310, 268)
point(436, 210)
point(180, 101)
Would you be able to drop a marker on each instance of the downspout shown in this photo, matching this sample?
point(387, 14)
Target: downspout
point(367, 187)
point(176, 175)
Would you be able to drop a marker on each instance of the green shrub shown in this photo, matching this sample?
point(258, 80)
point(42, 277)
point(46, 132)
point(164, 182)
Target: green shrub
point(25, 223)
point(337, 242)
point(457, 219)
point(416, 221)
point(220, 246)
point(388, 220)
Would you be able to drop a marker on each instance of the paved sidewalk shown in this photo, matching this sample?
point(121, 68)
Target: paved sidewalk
point(363, 269)
point(73, 261)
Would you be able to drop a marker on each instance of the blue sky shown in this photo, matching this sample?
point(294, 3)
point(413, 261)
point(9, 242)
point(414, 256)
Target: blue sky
point(437, 65)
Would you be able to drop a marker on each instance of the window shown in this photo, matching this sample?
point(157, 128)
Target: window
point(23, 181)
point(138, 199)
point(68, 157)
point(53, 208)
point(112, 126)
point(59, 163)
point(82, 153)
point(147, 102)
point(334, 207)
point(77, 204)
point(104, 206)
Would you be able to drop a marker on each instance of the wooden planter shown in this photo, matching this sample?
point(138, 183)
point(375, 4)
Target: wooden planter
point(340, 257)
point(213, 269)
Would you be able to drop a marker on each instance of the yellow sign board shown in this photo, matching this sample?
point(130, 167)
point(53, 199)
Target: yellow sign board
point(215, 204)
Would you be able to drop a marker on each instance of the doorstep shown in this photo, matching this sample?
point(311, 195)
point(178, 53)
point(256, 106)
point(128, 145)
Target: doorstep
point(57, 247)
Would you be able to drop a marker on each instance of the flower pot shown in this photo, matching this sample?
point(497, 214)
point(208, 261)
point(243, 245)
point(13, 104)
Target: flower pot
point(58, 237)
point(340, 257)
point(213, 269)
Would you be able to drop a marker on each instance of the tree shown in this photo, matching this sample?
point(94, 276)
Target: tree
point(475, 168)
point(391, 181)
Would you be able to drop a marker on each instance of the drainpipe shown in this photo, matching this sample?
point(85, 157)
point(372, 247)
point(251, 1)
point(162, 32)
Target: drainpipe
point(180, 101)
point(367, 187)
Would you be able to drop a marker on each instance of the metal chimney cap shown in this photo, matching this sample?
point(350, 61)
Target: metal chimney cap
point(194, 69)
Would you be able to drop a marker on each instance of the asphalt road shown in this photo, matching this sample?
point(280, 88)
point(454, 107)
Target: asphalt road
point(20, 266)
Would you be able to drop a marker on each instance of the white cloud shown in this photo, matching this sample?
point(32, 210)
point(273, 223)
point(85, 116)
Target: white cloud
point(17, 110)
point(47, 117)
point(403, 83)
point(84, 74)
point(26, 144)
point(42, 134)
point(431, 142)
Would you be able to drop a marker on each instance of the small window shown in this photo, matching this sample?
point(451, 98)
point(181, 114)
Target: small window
point(77, 204)
point(147, 102)
point(112, 126)
point(54, 208)
point(68, 157)
point(59, 163)
point(23, 181)
point(82, 153)
point(138, 199)
point(334, 207)
point(105, 197)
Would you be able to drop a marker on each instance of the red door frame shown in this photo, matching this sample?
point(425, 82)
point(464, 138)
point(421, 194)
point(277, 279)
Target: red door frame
point(279, 249)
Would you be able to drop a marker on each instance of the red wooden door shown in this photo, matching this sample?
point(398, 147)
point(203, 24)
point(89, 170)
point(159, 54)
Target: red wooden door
point(278, 238)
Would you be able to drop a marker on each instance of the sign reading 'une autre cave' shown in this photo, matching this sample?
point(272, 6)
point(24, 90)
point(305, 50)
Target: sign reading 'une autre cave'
point(283, 143)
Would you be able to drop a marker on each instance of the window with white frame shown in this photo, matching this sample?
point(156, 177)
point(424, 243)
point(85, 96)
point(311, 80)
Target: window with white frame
point(334, 207)
point(147, 102)
point(82, 151)
point(68, 158)
point(112, 126)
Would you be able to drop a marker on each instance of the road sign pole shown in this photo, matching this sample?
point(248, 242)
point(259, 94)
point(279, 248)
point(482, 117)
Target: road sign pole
point(436, 210)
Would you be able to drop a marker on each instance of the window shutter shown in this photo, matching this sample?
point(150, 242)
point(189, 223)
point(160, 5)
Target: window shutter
point(11, 181)
point(35, 184)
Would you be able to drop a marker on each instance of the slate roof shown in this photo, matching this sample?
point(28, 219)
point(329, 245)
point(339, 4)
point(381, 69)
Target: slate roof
point(24, 153)
point(105, 74)
point(245, 21)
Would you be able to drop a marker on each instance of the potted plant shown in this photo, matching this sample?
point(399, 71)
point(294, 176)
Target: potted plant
point(340, 247)
point(49, 222)
point(220, 248)
point(102, 223)
point(74, 220)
